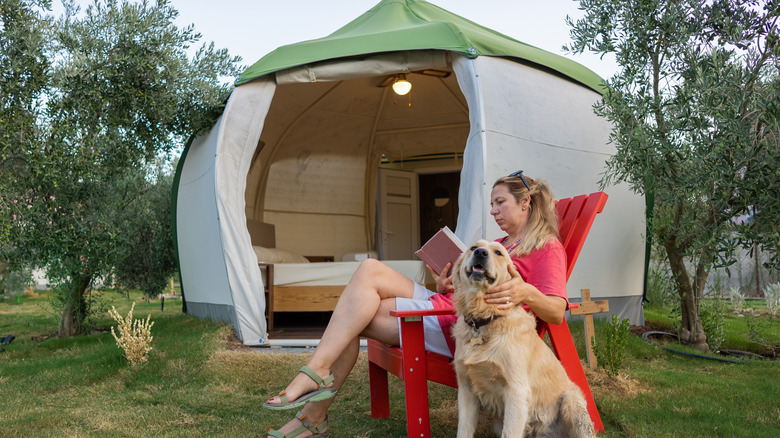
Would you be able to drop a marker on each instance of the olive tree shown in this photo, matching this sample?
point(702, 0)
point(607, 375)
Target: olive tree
point(695, 109)
point(149, 261)
point(24, 67)
point(122, 94)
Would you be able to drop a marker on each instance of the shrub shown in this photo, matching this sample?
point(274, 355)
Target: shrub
point(135, 336)
point(660, 287)
point(737, 299)
point(713, 320)
point(16, 281)
point(772, 297)
point(611, 347)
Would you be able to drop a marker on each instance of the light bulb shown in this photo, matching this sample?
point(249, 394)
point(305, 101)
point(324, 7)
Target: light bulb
point(401, 86)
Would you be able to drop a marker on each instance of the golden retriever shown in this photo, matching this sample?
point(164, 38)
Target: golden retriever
point(501, 363)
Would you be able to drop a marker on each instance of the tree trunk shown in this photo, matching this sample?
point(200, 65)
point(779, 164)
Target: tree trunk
point(76, 308)
point(66, 320)
point(690, 291)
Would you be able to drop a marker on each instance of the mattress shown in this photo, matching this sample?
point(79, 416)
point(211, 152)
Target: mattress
point(339, 273)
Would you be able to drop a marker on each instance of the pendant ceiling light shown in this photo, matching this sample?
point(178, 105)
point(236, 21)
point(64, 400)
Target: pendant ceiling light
point(401, 86)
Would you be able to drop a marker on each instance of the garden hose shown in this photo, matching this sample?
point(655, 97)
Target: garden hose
point(646, 336)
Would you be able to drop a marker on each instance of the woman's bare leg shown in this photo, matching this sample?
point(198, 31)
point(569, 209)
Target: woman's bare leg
point(362, 309)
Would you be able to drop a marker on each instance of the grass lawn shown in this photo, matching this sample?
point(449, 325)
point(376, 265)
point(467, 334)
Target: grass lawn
point(200, 383)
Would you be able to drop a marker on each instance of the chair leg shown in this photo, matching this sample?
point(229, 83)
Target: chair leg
point(415, 378)
point(564, 348)
point(380, 395)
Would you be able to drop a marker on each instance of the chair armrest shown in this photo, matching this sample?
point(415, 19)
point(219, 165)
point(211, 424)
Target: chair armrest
point(437, 312)
point(412, 313)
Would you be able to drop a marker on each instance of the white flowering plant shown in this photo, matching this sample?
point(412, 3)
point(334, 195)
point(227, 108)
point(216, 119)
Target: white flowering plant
point(135, 336)
point(737, 299)
point(772, 297)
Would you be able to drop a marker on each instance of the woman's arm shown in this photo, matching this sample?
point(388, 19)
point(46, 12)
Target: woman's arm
point(548, 308)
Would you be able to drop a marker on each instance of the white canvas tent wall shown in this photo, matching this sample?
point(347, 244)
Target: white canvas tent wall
point(322, 129)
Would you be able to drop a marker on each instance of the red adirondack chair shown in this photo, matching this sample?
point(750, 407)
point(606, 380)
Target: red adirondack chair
point(415, 365)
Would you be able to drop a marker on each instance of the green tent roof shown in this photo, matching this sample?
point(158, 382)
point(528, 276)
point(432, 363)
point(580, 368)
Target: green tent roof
point(396, 25)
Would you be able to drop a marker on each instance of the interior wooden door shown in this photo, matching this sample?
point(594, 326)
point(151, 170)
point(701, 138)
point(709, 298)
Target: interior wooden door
point(398, 215)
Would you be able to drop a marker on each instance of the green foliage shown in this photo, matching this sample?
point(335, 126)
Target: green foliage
point(696, 126)
point(24, 65)
point(120, 94)
point(713, 320)
point(662, 295)
point(713, 312)
point(150, 260)
point(611, 347)
point(660, 287)
point(16, 281)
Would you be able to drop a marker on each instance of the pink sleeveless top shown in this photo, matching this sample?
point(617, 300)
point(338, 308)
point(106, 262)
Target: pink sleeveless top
point(544, 268)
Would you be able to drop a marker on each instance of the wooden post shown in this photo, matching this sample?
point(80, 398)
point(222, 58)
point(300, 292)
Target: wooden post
point(588, 308)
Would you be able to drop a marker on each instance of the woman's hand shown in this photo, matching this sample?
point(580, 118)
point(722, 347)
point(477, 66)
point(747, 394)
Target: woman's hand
point(516, 291)
point(443, 281)
point(509, 293)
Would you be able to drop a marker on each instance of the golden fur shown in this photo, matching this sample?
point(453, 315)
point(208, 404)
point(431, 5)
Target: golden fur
point(503, 366)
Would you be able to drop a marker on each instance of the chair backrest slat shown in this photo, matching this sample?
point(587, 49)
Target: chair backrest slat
point(567, 218)
point(561, 207)
point(575, 217)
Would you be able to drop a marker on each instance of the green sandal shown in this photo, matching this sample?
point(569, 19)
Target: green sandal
point(320, 394)
point(315, 429)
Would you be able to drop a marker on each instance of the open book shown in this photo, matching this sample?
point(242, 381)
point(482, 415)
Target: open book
point(444, 247)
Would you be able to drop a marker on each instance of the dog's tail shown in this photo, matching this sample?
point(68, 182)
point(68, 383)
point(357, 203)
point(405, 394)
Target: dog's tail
point(575, 420)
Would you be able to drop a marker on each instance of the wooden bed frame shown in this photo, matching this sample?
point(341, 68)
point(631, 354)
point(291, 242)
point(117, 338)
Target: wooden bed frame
point(290, 298)
point(293, 298)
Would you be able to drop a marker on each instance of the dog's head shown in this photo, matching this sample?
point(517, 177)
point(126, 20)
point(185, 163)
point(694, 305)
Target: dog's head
point(483, 265)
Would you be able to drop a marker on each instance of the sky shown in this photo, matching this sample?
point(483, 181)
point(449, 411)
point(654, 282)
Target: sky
point(253, 28)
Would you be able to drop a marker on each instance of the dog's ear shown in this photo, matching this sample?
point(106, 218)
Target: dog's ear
point(505, 274)
point(456, 268)
point(510, 267)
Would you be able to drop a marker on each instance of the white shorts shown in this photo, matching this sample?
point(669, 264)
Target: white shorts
point(434, 338)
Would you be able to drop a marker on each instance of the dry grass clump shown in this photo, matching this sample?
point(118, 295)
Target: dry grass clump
point(135, 336)
point(620, 384)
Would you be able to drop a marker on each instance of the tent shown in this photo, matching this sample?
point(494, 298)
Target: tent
point(314, 142)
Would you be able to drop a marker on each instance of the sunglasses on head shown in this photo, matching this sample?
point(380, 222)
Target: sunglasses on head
point(520, 174)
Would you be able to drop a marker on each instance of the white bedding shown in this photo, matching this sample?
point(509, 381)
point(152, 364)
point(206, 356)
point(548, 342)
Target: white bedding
point(295, 270)
point(339, 273)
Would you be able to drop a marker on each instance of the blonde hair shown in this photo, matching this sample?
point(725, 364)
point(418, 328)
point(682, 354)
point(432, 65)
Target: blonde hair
point(542, 223)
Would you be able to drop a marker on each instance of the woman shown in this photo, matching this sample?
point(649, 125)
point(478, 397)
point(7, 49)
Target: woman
point(524, 209)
